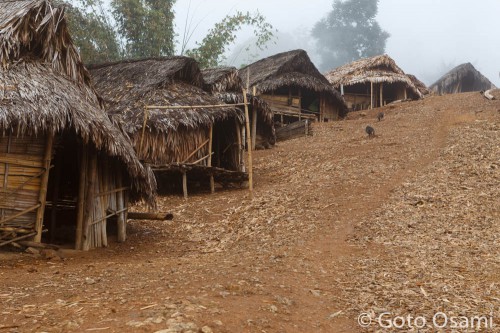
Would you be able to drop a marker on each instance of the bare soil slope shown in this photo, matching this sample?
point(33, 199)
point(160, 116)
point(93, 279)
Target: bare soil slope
point(339, 224)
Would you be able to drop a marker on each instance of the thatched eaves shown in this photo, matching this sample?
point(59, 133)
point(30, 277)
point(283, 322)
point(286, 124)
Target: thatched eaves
point(222, 79)
point(419, 84)
point(378, 69)
point(44, 86)
point(292, 68)
point(463, 78)
point(129, 86)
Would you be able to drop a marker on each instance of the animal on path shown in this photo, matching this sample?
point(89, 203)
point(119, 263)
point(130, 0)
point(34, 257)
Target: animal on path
point(380, 116)
point(370, 131)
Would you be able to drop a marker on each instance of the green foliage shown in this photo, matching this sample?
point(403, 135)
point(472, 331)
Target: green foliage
point(210, 52)
point(146, 27)
point(349, 32)
point(91, 32)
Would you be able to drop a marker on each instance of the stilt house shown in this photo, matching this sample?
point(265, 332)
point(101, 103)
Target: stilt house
point(294, 88)
point(372, 82)
point(175, 126)
point(226, 85)
point(64, 167)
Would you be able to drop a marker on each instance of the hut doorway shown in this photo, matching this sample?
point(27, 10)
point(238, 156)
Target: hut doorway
point(62, 191)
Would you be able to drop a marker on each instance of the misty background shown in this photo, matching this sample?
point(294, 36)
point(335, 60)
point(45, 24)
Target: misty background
point(428, 37)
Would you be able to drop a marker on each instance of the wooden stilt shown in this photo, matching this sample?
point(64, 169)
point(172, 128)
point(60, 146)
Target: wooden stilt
point(249, 143)
point(381, 94)
point(209, 161)
point(120, 205)
point(371, 95)
point(89, 201)
point(81, 198)
point(184, 185)
point(42, 198)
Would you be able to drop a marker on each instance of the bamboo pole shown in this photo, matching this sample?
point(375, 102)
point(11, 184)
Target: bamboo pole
point(371, 95)
point(381, 94)
point(150, 216)
point(177, 107)
point(81, 198)
point(43, 188)
point(238, 137)
point(184, 185)
point(249, 144)
point(120, 204)
point(89, 199)
point(209, 161)
point(254, 121)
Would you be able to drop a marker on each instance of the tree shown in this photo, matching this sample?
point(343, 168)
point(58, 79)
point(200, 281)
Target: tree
point(210, 51)
point(91, 31)
point(349, 32)
point(147, 26)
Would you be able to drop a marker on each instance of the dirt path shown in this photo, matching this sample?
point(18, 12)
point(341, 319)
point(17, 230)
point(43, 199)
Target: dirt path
point(282, 261)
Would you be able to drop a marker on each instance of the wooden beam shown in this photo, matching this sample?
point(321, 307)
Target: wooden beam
point(184, 185)
point(249, 144)
point(177, 107)
point(150, 216)
point(43, 188)
point(209, 161)
point(371, 95)
point(81, 198)
point(381, 94)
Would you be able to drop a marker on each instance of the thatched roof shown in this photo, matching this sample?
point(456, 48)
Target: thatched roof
point(292, 68)
point(419, 84)
point(377, 69)
point(463, 78)
point(128, 86)
point(45, 87)
point(222, 79)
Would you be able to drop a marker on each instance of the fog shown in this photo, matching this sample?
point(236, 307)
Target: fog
point(428, 37)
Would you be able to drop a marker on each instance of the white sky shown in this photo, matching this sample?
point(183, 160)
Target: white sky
point(428, 37)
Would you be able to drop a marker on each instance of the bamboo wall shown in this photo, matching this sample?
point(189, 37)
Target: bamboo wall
point(21, 170)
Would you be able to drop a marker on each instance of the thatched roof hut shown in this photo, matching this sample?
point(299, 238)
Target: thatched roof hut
point(172, 122)
point(419, 84)
point(226, 85)
point(463, 78)
point(372, 82)
point(51, 119)
point(294, 87)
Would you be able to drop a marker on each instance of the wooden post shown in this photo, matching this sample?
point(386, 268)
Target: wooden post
point(209, 161)
point(320, 107)
point(42, 198)
point(81, 198)
point(249, 143)
point(254, 127)
point(238, 137)
point(406, 96)
point(120, 205)
point(371, 95)
point(184, 185)
point(89, 199)
point(381, 94)
point(300, 104)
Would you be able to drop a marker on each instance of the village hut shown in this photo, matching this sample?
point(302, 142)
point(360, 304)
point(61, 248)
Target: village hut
point(226, 85)
point(419, 84)
point(372, 82)
point(64, 167)
point(463, 78)
point(175, 126)
point(294, 88)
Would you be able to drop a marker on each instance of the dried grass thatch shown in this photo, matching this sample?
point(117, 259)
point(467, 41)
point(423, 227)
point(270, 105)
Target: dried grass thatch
point(378, 69)
point(292, 68)
point(419, 84)
point(129, 86)
point(463, 78)
point(46, 88)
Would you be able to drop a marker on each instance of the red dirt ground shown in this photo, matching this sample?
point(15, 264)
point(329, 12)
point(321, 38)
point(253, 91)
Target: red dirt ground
point(288, 259)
